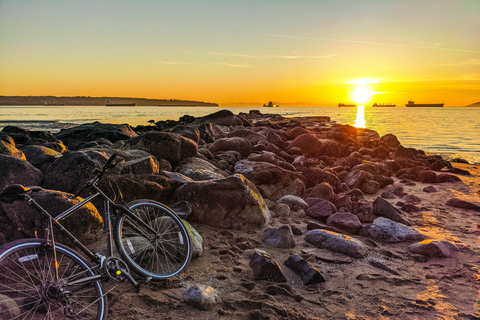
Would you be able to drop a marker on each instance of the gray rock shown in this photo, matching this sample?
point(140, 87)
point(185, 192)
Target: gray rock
point(337, 242)
point(9, 309)
point(391, 231)
point(293, 202)
point(388, 195)
point(282, 210)
point(195, 239)
point(434, 248)
point(383, 208)
point(279, 237)
point(202, 297)
point(322, 190)
point(321, 210)
point(430, 189)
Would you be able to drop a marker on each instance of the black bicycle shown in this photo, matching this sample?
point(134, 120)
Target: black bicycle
point(43, 279)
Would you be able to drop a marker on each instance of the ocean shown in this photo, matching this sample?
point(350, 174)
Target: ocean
point(450, 131)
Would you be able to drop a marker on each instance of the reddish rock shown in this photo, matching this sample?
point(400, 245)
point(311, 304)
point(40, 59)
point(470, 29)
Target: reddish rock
point(345, 221)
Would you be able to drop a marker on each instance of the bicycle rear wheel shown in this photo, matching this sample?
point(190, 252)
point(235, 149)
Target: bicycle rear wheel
point(29, 288)
point(159, 255)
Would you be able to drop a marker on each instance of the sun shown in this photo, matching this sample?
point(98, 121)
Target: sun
point(362, 94)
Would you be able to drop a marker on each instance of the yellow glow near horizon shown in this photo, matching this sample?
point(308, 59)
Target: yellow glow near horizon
point(362, 94)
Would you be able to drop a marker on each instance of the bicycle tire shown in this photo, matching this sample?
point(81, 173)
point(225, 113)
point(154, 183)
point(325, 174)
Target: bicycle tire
point(27, 278)
point(156, 256)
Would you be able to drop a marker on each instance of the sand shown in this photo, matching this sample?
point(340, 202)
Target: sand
point(390, 283)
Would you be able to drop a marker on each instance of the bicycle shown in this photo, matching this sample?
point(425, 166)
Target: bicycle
point(43, 279)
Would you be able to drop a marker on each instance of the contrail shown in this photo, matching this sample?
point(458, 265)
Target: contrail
point(368, 42)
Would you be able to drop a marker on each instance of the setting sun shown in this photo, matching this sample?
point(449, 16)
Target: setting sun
point(362, 94)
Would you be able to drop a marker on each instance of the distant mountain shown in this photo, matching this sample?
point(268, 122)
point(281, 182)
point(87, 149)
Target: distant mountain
point(95, 101)
point(476, 104)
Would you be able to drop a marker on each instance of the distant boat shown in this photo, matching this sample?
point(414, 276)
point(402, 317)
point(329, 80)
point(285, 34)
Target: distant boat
point(383, 105)
point(346, 105)
point(270, 105)
point(111, 104)
point(411, 103)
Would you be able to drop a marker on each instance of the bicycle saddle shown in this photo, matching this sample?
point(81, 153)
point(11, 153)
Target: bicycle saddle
point(15, 192)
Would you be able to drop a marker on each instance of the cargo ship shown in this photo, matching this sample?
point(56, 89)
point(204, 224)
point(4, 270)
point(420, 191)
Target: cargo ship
point(411, 103)
point(270, 105)
point(384, 105)
point(111, 104)
point(346, 105)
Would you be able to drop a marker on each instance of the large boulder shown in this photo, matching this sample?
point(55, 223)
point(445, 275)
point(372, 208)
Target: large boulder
point(73, 170)
point(163, 145)
point(222, 118)
point(199, 169)
point(232, 202)
point(272, 181)
point(87, 132)
point(86, 224)
point(17, 171)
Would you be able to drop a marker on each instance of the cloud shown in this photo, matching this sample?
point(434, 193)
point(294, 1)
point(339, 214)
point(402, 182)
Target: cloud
point(292, 57)
point(372, 43)
point(288, 57)
point(173, 62)
point(470, 62)
point(232, 65)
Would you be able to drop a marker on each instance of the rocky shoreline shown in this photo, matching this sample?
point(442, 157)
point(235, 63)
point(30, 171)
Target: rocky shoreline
point(292, 218)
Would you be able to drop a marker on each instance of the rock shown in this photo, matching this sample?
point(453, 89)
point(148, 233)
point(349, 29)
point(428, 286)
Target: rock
point(241, 145)
point(402, 152)
point(293, 202)
point(232, 202)
point(343, 202)
point(427, 176)
point(272, 181)
point(328, 256)
point(383, 208)
point(356, 178)
point(202, 297)
point(308, 273)
point(323, 191)
point(457, 203)
point(39, 156)
point(391, 231)
point(73, 170)
point(196, 240)
point(9, 309)
point(17, 171)
point(410, 208)
point(398, 190)
point(387, 195)
point(87, 132)
point(250, 135)
point(295, 132)
point(430, 189)
point(337, 242)
point(390, 140)
point(313, 147)
point(446, 177)
point(266, 268)
point(282, 210)
point(145, 165)
point(163, 145)
point(210, 132)
point(280, 237)
point(199, 169)
point(370, 187)
point(8, 148)
point(221, 118)
point(345, 221)
point(86, 224)
point(186, 131)
point(321, 210)
point(380, 152)
point(314, 175)
point(434, 248)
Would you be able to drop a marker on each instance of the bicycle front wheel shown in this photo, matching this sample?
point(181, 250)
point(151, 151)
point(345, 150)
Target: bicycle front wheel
point(157, 255)
point(30, 289)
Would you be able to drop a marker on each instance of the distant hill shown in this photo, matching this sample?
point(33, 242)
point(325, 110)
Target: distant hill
point(476, 104)
point(95, 101)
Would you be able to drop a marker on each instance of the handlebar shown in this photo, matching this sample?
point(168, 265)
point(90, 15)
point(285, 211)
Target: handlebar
point(109, 164)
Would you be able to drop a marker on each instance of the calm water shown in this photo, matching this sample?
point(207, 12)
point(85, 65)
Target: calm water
point(452, 132)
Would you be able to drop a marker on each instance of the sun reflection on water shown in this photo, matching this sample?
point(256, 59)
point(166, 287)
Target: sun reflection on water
point(360, 121)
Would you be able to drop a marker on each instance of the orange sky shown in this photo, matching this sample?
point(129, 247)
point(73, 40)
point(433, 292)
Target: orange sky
point(231, 52)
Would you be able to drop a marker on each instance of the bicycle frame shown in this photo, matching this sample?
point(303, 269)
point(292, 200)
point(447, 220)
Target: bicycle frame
point(108, 205)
